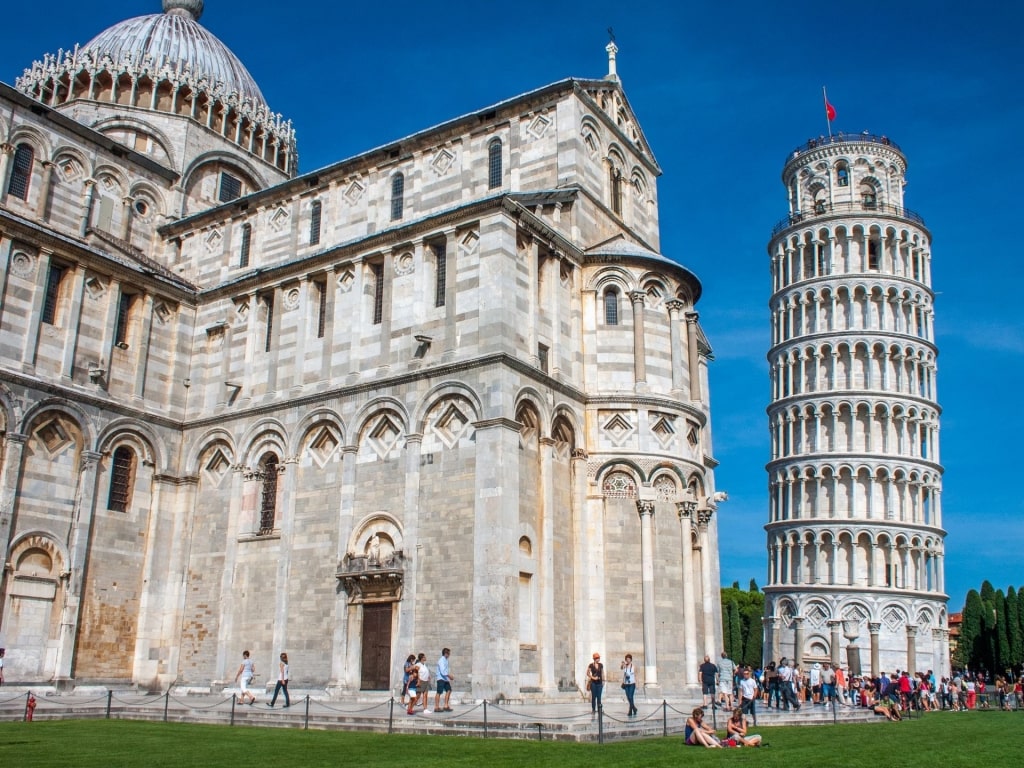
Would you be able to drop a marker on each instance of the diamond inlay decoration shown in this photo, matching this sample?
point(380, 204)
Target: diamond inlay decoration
point(218, 466)
point(663, 428)
point(384, 436)
point(855, 613)
point(214, 240)
point(279, 219)
point(324, 446)
point(618, 429)
point(451, 426)
point(787, 612)
point(817, 615)
point(163, 312)
point(52, 435)
point(242, 308)
point(894, 618)
point(95, 288)
point(469, 242)
point(353, 192)
point(538, 126)
point(442, 162)
point(345, 280)
point(70, 169)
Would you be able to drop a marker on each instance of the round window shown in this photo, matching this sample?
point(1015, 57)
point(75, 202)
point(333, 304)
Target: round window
point(141, 208)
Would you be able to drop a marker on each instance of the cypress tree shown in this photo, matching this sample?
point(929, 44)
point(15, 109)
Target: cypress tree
point(1000, 639)
point(753, 647)
point(1013, 629)
point(1020, 615)
point(753, 586)
point(735, 631)
point(970, 631)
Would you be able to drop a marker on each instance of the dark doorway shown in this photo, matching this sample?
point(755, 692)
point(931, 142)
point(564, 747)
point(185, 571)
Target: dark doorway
point(376, 674)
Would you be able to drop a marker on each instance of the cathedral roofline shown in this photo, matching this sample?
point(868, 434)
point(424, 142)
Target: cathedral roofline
point(73, 126)
point(394, 151)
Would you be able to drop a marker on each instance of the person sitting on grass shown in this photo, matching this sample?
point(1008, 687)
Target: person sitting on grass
point(889, 708)
point(737, 727)
point(699, 733)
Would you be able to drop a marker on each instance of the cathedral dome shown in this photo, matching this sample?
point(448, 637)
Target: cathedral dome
point(176, 38)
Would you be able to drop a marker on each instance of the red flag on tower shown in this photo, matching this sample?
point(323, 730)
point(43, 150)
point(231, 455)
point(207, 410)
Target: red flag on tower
point(830, 111)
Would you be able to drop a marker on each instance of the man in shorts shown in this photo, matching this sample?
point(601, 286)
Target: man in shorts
point(708, 678)
point(726, 677)
point(444, 682)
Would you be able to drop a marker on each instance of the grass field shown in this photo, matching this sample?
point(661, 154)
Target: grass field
point(939, 739)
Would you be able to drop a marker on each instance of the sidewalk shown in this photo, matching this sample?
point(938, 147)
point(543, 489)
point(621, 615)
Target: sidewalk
point(548, 721)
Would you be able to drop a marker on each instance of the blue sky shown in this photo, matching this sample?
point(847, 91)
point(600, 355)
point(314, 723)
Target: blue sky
point(723, 91)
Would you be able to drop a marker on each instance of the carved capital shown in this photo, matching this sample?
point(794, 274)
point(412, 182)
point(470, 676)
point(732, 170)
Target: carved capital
point(874, 627)
point(674, 305)
point(637, 297)
point(644, 507)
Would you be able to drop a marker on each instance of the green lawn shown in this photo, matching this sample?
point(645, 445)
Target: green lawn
point(941, 738)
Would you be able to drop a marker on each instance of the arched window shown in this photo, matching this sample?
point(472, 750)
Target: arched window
point(268, 496)
point(314, 222)
point(611, 306)
point(615, 187)
point(21, 172)
point(868, 195)
point(243, 257)
point(122, 477)
point(494, 164)
point(397, 196)
point(842, 175)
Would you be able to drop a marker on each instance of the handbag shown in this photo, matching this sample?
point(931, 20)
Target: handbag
point(623, 685)
point(588, 685)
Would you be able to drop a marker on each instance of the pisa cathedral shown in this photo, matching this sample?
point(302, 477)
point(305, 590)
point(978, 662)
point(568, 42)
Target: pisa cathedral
point(446, 392)
point(855, 537)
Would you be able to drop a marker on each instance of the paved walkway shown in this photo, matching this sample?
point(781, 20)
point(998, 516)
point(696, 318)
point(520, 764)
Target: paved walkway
point(548, 721)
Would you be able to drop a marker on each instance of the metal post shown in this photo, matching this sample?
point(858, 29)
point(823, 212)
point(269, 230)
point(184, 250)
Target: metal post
point(540, 729)
point(232, 710)
point(664, 718)
point(110, 695)
point(167, 701)
point(305, 722)
point(485, 718)
point(600, 725)
point(391, 715)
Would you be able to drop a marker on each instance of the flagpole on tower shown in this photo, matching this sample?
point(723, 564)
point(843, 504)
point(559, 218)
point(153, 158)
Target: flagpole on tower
point(830, 111)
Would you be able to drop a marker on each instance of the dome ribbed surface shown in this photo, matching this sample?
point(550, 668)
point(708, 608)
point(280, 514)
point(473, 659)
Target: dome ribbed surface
point(180, 41)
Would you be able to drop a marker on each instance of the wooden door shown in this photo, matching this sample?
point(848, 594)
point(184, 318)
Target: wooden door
point(376, 671)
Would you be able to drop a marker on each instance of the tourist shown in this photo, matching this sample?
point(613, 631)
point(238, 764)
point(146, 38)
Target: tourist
point(444, 682)
point(708, 679)
point(748, 694)
point(629, 683)
point(699, 733)
point(737, 728)
point(424, 678)
point(410, 662)
point(595, 682)
point(245, 674)
point(726, 680)
point(412, 687)
point(282, 683)
point(786, 683)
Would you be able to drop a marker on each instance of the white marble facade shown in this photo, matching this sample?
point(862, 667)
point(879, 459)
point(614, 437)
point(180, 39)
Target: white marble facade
point(855, 537)
point(443, 393)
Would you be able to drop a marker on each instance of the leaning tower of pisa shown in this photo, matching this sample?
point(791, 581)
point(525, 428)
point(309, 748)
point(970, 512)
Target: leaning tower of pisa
point(855, 538)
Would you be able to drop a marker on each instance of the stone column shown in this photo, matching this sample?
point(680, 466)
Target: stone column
point(834, 626)
point(88, 200)
point(693, 355)
point(142, 348)
point(581, 511)
point(10, 469)
point(546, 568)
point(874, 627)
point(675, 306)
point(798, 641)
point(78, 556)
point(44, 190)
point(533, 265)
point(126, 219)
point(285, 522)
point(911, 667)
point(495, 628)
point(6, 153)
point(639, 350)
point(346, 502)
point(711, 591)
point(686, 511)
point(31, 342)
point(645, 509)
